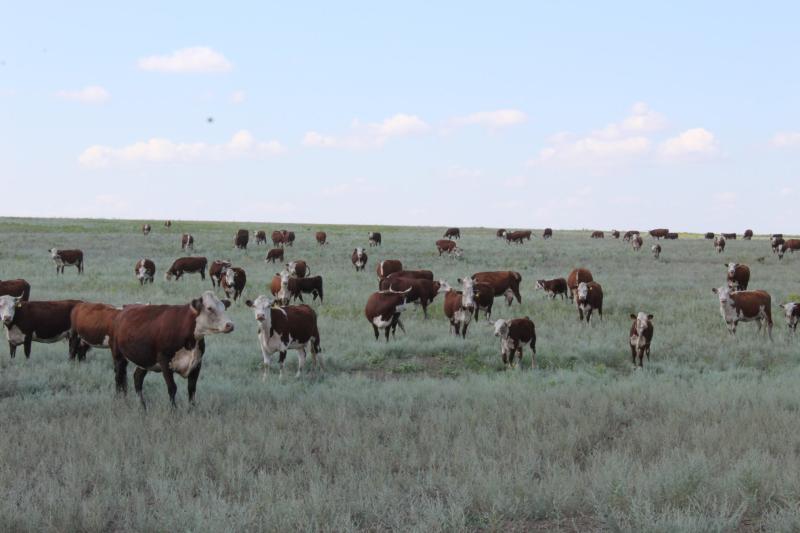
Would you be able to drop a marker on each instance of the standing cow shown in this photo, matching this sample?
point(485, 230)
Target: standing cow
point(387, 267)
point(145, 270)
point(738, 276)
point(636, 243)
point(504, 283)
point(514, 335)
point(359, 259)
point(65, 258)
point(790, 245)
point(298, 269)
point(518, 236)
point(615, 234)
point(501, 233)
point(710, 235)
point(279, 287)
point(233, 282)
point(553, 287)
point(575, 277)
point(217, 270)
point(277, 238)
point(598, 235)
point(791, 311)
point(776, 241)
point(547, 234)
point(659, 233)
point(588, 297)
point(187, 241)
point(748, 234)
point(640, 336)
point(187, 265)
point(274, 255)
point(146, 229)
point(261, 237)
point(241, 239)
point(322, 238)
point(719, 244)
point(383, 311)
point(288, 238)
point(745, 306)
point(452, 233)
point(459, 306)
point(90, 327)
point(374, 238)
point(26, 322)
point(449, 247)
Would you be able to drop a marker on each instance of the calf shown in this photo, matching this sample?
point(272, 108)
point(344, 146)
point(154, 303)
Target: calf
point(790, 245)
point(277, 238)
point(671, 236)
point(548, 233)
point(146, 229)
point(459, 306)
point(286, 328)
point(553, 287)
point(748, 234)
point(168, 339)
point(589, 296)
point(322, 238)
point(501, 233)
point(449, 247)
point(710, 235)
point(636, 243)
point(64, 258)
point(261, 237)
point(279, 287)
point(417, 291)
point(659, 233)
point(776, 242)
point(311, 285)
point(25, 322)
point(514, 335)
point(504, 283)
point(359, 259)
point(575, 277)
point(241, 239)
point(615, 234)
point(383, 311)
point(484, 299)
point(388, 266)
point(144, 270)
point(791, 311)
point(298, 269)
point(187, 241)
point(745, 306)
point(187, 265)
point(598, 235)
point(16, 287)
point(719, 244)
point(518, 236)
point(274, 255)
point(452, 233)
point(233, 282)
point(738, 276)
point(217, 270)
point(656, 249)
point(640, 336)
point(90, 327)
point(374, 238)
point(730, 236)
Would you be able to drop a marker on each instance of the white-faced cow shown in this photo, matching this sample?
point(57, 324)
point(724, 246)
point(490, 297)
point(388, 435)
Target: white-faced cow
point(359, 259)
point(640, 336)
point(26, 322)
point(452, 233)
point(719, 244)
point(738, 276)
point(776, 241)
point(614, 234)
point(217, 270)
point(629, 235)
point(791, 311)
point(241, 239)
point(167, 224)
point(636, 242)
point(298, 269)
point(504, 283)
point(187, 265)
point(501, 233)
point(233, 282)
point(145, 270)
point(449, 247)
point(514, 335)
point(790, 245)
point(261, 237)
point(575, 277)
point(656, 249)
point(745, 306)
point(383, 312)
point(146, 229)
point(588, 298)
point(16, 287)
point(547, 233)
point(65, 258)
point(279, 287)
point(375, 238)
point(187, 242)
point(459, 306)
point(553, 287)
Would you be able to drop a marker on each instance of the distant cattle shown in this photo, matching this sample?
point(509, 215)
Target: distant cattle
point(452, 233)
point(501, 233)
point(615, 234)
point(656, 249)
point(322, 238)
point(514, 335)
point(449, 247)
point(598, 235)
point(90, 327)
point(729, 236)
point(738, 276)
point(383, 311)
point(671, 236)
point(776, 242)
point(459, 306)
point(277, 238)
point(187, 242)
point(553, 287)
point(26, 322)
point(629, 235)
point(233, 282)
point(168, 339)
point(418, 291)
point(65, 258)
point(548, 233)
point(640, 336)
point(575, 277)
point(187, 265)
point(659, 233)
point(374, 238)
point(636, 242)
point(241, 239)
point(281, 329)
point(709, 235)
point(777, 235)
point(275, 254)
point(311, 285)
point(359, 259)
point(791, 311)
point(146, 229)
point(279, 287)
point(261, 237)
point(748, 234)
point(144, 270)
point(745, 306)
point(790, 245)
point(167, 223)
point(518, 236)
point(588, 298)
point(16, 287)
point(298, 269)
point(504, 283)
point(288, 238)
point(719, 244)
point(388, 266)
point(217, 270)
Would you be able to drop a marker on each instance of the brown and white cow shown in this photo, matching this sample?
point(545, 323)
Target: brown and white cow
point(547, 233)
point(575, 277)
point(146, 229)
point(261, 237)
point(598, 235)
point(241, 239)
point(167, 223)
point(277, 238)
point(187, 241)
point(514, 335)
point(144, 270)
point(65, 258)
point(187, 265)
point(738, 276)
point(730, 236)
point(233, 282)
point(412, 274)
point(791, 311)
point(322, 238)
point(217, 270)
point(745, 306)
point(288, 238)
point(615, 234)
point(298, 269)
point(311, 285)
point(484, 299)
point(274, 255)
point(279, 287)
point(418, 291)
point(26, 322)
point(90, 327)
point(776, 242)
point(375, 238)
point(388, 266)
point(501, 233)
point(518, 236)
point(459, 306)
point(383, 311)
point(16, 287)
point(629, 235)
point(719, 244)
point(449, 247)
point(359, 259)
point(790, 245)
point(636, 242)
point(640, 336)
point(504, 283)
point(553, 287)
point(710, 235)
point(281, 329)
point(748, 234)
point(588, 298)
point(168, 339)
point(452, 233)
point(659, 233)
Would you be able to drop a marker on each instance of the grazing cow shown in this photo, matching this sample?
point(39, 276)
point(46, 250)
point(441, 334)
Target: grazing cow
point(374, 238)
point(146, 229)
point(710, 235)
point(187, 241)
point(791, 311)
point(64, 258)
point(659, 233)
point(629, 235)
point(233, 282)
point(241, 239)
point(388, 266)
point(730, 236)
point(656, 249)
point(166, 339)
point(744, 306)
point(167, 223)
point(261, 237)
point(738, 276)
point(281, 329)
point(311, 285)
point(25, 322)
point(452, 233)
point(514, 335)
point(288, 238)
point(217, 270)
point(359, 258)
point(671, 236)
point(518, 236)
point(790, 245)
point(615, 234)
point(418, 291)
point(484, 299)
point(636, 242)
point(598, 235)
point(91, 326)
point(274, 255)
point(383, 311)
point(187, 265)
point(279, 287)
point(553, 287)
point(16, 287)
point(776, 243)
point(640, 336)
point(277, 238)
point(459, 306)
point(144, 270)
point(298, 269)
point(575, 277)
point(548, 233)
point(322, 238)
point(719, 244)
point(589, 296)
point(504, 283)
point(444, 245)
point(501, 233)
point(748, 234)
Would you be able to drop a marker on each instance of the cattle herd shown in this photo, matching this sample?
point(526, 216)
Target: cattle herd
point(170, 338)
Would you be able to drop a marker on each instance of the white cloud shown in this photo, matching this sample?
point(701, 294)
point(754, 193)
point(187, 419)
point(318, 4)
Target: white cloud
point(241, 145)
point(516, 182)
point(238, 97)
point(370, 135)
point(91, 94)
point(641, 120)
point(783, 139)
point(492, 119)
point(196, 59)
point(691, 143)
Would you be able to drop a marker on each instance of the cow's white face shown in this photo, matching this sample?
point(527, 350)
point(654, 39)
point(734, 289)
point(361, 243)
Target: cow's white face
point(8, 307)
point(468, 292)
point(583, 291)
point(642, 321)
point(291, 266)
point(53, 252)
point(142, 274)
point(788, 312)
point(724, 294)
point(732, 268)
point(211, 315)
point(501, 328)
point(444, 286)
point(230, 276)
point(261, 308)
point(539, 284)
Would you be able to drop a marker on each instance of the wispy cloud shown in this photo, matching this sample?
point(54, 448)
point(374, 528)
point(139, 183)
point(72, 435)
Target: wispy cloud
point(196, 59)
point(499, 118)
point(695, 142)
point(91, 94)
point(371, 135)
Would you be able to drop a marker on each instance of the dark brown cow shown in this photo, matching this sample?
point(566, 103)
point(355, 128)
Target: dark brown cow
point(710, 235)
point(778, 235)
point(418, 291)
point(241, 239)
point(146, 229)
point(322, 238)
point(261, 237)
point(411, 274)
point(233, 282)
point(217, 270)
point(514, 335)
point(25, 322)
point(187, 265)
point(659, 233)
point(277, 238)
point(501, 233)
point(738, 276)
point(447, 246)
point(636, 242)
point(575, 277)
point(387, 266)
point(64, 258)
point(298, 269)
point(518, 236)
point(168, 339)
point(615, 234)
point(748, 234)
point(629, 235)
point(459, 306)
point(731, 236)
point(359, 259)
point(719, 244)
point(452, 233)
point(383, 312)
point(167, 223)
point(144, 270)
point(16, 287)
point(91, 326)
point(484, 299)
point(790, 245)
point(553, 287)
point(504, 283)
point(375, 238)
point(311, 285)
point(640, 336)
point(288, 238)
point(187, 241)
point(598, 235)
point(776, 243)
point(671, 236)
point(588, 297)
point(745, 306)
point(548, 233)
point(274, 255)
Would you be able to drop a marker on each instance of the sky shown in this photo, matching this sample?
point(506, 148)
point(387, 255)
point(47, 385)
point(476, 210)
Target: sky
point(506, 114)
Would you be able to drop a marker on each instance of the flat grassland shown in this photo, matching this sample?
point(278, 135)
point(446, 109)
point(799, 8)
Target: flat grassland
point(427, 432)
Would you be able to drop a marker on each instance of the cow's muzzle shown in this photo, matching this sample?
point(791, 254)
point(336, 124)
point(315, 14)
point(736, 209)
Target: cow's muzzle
point(228, 327)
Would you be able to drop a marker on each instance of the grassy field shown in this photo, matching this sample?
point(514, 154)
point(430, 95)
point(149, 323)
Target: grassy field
point(427, 432)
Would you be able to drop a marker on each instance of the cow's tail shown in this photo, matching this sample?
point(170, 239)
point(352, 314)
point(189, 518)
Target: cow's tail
point(517, 276)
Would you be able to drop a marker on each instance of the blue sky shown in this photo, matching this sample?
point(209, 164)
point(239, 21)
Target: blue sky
point(570, 115)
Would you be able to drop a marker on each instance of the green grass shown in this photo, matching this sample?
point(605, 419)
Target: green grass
point(427, 432)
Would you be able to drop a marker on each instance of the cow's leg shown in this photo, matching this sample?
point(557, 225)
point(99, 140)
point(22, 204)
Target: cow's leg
point(455, 326)
point(120, 373)
point(377, 333)
point(27, 345)
point(169, 379)
point(192, 378)
point(580, 314)
point(73, 342)
point(301, 361)
point(138, 382)
point(203, 274)
point(12, 350)
point(633, 354)
point(464, 330)
point(533, 354)
point(424, 305)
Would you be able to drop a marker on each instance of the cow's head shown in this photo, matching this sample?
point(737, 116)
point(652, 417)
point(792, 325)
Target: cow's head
point(501, 328)
point(261, 308)
point(724, 294)
point(53, 252)
point(141, 273)
point(211, 316)
point(8, 307)
point(458, 252)
point(467, 292)
point(582, 292)
point(731, 268)
point(230, 276)
point(444, 286)
point(642, 320)
point(539, 284)
point(790, 313)
point(168, 275)
point(291, 266)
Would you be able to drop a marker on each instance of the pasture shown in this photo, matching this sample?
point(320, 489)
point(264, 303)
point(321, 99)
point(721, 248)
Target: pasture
point(427, 432)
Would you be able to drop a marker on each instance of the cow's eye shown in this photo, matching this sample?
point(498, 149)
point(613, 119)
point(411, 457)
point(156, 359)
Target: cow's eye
point(210, 309)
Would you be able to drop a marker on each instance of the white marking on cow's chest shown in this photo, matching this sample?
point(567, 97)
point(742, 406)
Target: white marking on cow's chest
point(15, 335)
point(380, 323)
point(184, 361)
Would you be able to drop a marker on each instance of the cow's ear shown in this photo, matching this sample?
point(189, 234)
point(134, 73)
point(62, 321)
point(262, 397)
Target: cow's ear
point(714, 290)
point(248, 303)
point(633, 316)
point(226, 303)
point(197, 305)
point(460, 280)
point(649, 317)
